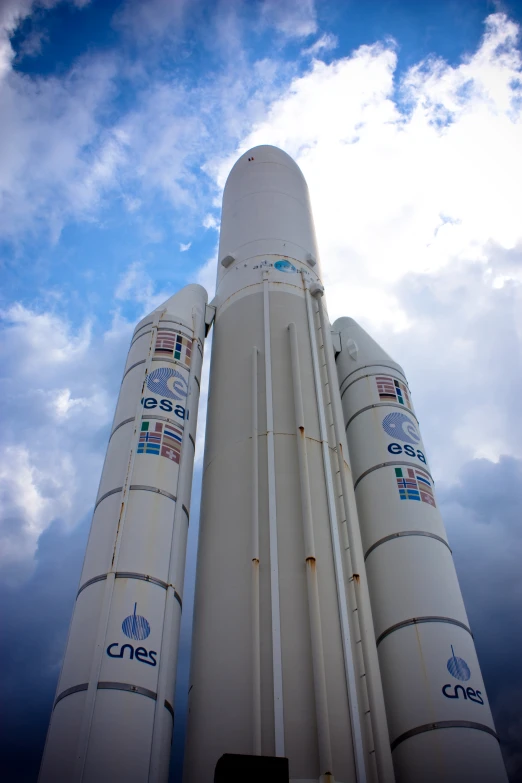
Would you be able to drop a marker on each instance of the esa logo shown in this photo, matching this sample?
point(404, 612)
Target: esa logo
point(459, 669)
point(134, 627)
point(167, 383)
point(170, 384)
point(399, 426)
point(165, 405)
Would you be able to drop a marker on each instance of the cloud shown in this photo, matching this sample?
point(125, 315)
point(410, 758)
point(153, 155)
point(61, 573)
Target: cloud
point(326, 43)
point(292, 18)
point(183, 248)
point(415, 195)
point(481, 508)
point(58, 385)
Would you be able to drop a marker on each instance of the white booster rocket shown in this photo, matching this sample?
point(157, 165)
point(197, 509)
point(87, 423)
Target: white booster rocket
point(329, 628)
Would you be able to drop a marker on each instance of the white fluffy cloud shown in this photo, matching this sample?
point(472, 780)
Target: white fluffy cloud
point(58, 388)
point(416, 199)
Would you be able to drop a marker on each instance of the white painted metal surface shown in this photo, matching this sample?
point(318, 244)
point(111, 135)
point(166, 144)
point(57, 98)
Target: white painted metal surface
point(267, 251)
point(438, 714)
point(113, 714)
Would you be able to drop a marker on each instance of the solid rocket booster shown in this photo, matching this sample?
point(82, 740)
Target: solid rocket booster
point(113, 713)
point(440, 723)
point(277, 668)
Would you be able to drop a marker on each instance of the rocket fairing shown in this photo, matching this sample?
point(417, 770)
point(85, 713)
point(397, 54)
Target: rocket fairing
point(439, 719)
point(329, 628)
point(113, 712)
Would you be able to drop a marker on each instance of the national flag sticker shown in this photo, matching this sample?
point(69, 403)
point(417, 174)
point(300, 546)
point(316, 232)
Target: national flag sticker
point(391, 390)
point(170, 344)
point(161, 439)
point(415, 484)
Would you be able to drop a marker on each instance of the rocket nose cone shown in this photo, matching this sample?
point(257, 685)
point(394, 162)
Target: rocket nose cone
point(358, 349)
point(265, 153)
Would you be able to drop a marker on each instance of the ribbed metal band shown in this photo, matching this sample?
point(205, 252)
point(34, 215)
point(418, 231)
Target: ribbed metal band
point(177, 362)
point(139, 328)
point(137, 337)
point(107, 494)
point(419, 621)
point(70, 691)
point(121, 424)
point(443, 724)
point(125, 686)
point(141, 361)
point(146, 488)
point(380, 405)
point(395, 463)
point(371, 375)
point(401, 535)
point(375, 364)
point(132, 575)
point(114, 686)
point(90, 582)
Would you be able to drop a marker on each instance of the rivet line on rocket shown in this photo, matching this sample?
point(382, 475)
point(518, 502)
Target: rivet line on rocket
point(444, 724)
point(131, 575)
point(379, 405)
point(392, 367)
point(419, 621)
point(113, 686)
point(372, 375)
point(389, 464)
point(136, 364)
point(393, 536)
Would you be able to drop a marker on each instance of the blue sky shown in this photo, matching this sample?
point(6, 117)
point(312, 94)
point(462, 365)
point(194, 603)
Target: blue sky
point(119, 122)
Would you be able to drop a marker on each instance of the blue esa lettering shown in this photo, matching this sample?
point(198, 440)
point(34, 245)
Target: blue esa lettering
point(165, 405)
point(467, 693)
point(140, 653)
point(396, 448)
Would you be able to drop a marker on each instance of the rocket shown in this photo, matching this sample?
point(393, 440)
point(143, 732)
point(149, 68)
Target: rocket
point(113, 714)
point(330, 639)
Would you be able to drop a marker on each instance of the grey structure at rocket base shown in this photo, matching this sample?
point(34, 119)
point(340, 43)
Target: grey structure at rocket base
point(284, 660)
point(112, 717)
point(439, 720)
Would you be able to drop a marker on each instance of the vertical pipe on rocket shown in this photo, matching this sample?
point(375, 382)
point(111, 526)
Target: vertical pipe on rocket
point(379, 722)
point(351, 682)
point(277, 662)
point(256, 634)
point(321, 701)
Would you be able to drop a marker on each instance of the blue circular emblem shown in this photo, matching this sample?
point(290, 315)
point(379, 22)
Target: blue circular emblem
point(167, 383)
point(458, 667)
point(284, 266)
point(399, 426)
point(135, 626)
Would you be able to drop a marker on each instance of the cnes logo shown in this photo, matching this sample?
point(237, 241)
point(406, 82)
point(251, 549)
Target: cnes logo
point(137, 628)
point(459, 669)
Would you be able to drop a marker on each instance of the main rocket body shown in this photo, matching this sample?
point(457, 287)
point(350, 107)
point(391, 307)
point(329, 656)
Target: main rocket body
point(276, 664)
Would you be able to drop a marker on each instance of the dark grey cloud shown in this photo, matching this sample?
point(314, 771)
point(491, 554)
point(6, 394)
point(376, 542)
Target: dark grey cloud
point(482, 513)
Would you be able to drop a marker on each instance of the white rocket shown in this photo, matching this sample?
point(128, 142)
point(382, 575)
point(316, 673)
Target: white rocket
point(330, 639)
